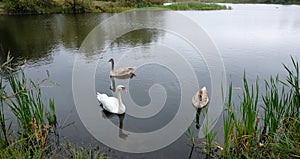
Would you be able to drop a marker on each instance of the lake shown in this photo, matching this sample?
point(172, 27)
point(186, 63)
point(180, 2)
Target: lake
point(253, 38)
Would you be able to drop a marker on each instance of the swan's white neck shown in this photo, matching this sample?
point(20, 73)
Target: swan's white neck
point(121, 105)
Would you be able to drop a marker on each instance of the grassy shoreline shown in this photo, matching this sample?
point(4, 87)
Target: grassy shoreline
point(58, 6)
point(251, 2)
point(67, 6)
point(196, 6)
point(287, 2)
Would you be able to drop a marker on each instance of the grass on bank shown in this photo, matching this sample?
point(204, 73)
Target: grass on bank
point(246, 1)
point(196, 6)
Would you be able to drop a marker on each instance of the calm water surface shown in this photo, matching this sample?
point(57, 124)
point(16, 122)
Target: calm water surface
point(255, 38)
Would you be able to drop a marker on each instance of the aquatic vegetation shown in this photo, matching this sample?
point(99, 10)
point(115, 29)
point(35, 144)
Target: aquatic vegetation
point(269, 132)
point(28, 125)
point(209, 144)
point(84, 153)
point(22, 97)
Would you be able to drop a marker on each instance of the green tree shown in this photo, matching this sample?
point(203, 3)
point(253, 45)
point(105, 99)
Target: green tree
point(77, 6)
point(28, 6)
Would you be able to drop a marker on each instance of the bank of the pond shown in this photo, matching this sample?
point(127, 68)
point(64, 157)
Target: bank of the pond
point(58, 6)
point(20, 7)
point(249, 1)
point(195, 6)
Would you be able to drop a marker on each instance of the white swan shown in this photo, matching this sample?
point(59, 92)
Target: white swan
point(124, 71)
point(113, 104)
point(200, 99)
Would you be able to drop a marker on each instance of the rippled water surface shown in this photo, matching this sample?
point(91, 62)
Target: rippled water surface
point(252, 38)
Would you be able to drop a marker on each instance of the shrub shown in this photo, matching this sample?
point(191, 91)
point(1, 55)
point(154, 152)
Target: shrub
point(29, 6)
point(76, 6)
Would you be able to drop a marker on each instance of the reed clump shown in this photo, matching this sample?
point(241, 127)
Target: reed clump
point(28, 124)
point(266, 129)
point(274, 133)
point(25, 120)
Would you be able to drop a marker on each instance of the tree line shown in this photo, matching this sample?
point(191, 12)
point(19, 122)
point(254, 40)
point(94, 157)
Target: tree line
point(80, 6)
point(66, 6)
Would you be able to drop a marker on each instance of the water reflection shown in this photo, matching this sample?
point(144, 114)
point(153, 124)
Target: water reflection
point(191, 152)
point(139, 37)
point(134, 29)
point(108, 115)
point(198, 113)
point(36, 37)
point(113, 82)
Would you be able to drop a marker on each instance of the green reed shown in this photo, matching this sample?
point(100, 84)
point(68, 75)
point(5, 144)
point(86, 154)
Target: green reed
point(209, 136)
point(248, 107)
point(4, 127)
point(228, 121)
point(276, 105)
point(240, 125)
point(22, 105)
point(282, 99)
point(23, 148)
point(293, 82)
point(282, 121)
point(277, 135)
point(85, 153)
point(26, 102)
point(4, 135)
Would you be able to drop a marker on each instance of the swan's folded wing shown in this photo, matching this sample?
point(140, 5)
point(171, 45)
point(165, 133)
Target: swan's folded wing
point(124, 71)
point(101, 97)
point(195, 99)
point(111, 104)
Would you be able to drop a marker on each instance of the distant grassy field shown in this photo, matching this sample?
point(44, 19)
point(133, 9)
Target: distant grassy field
point(195, 6)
